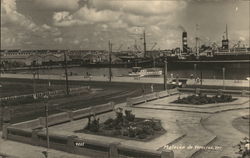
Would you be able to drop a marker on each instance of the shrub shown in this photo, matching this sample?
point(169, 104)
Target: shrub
point(204, 99)
point(138, 130)
point(116, 132)
point(108, 121)
point(244, 148)
point(129, 116)
point(125, 133)
point(148, 130)
point(142, 136)
point(157, 126)
point(94, 125)
point(149, 123)
point(131, 132)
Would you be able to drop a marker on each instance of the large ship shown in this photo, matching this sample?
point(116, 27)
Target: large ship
point(237, 53)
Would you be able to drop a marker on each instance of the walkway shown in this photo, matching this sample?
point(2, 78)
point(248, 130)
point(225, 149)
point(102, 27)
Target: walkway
point(20, 150)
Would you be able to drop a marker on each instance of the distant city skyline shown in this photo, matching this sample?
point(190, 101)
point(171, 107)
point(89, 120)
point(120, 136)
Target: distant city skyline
point(90, 24)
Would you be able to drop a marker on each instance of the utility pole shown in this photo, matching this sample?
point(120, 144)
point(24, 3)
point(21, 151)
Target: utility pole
point(110, 61)
point(249, 26)
point(165, 73)
point(0, 90)
point(66, 73)
point(0, 63)
point(34, 82)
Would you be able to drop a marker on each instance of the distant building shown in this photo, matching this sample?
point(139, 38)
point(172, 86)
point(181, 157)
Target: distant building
point(33, 60)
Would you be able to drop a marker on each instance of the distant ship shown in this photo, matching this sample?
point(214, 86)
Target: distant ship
point(140, 72)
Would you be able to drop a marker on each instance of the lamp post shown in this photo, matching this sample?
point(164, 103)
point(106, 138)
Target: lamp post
point(165, 74)
point(110, 61)
point(46, 124)
point(223, 74)
point(66, 72)
point(195, 73)
point(34, 83)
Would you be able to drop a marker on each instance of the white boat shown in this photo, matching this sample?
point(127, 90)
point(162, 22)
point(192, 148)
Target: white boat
point(138, 71)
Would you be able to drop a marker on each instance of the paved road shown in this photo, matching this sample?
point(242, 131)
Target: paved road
point(124, 79)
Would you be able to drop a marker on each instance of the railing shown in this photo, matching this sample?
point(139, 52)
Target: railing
point(150, 97)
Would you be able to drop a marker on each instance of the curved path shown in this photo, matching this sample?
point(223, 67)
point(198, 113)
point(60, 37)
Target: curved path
point(227, 136)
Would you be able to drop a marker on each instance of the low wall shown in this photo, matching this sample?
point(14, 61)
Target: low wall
point(81, 113)
point(163, 94)
point(243, 93)
point(58, 118)
point(135, 100)
point(31, 124)
point(65, 116)
point(150, 97)
point(73, 144)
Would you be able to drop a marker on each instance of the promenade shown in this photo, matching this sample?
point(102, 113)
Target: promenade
point(127, 79)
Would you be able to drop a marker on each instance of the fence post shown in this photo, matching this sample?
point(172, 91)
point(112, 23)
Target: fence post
point(243, 93)
point(5, 130)
point(70, 143)
point(70, 115)
point(113, 151)
point(34, 136)
point(219, 91)
point(197, 90)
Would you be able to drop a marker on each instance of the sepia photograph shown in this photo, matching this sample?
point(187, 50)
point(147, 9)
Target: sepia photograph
point(125, 79)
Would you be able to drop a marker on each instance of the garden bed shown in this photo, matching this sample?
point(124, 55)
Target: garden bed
point(126, 127)
point(204, 99)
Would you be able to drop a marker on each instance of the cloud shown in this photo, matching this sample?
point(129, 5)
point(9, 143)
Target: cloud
point(58, 40)
point(7, 37)
point(10, 16)
point(84, 16)
point(18, 29)
point(144, 8)
point(57, 5)
point(76, 42)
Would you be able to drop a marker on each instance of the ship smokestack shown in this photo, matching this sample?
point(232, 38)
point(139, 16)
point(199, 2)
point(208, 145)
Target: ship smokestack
point(225, 42)
point(184, 42)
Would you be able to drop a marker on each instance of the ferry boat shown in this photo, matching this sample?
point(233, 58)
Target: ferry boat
point(139, 71)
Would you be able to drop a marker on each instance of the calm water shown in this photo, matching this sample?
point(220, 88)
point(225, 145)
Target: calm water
point(209, 71)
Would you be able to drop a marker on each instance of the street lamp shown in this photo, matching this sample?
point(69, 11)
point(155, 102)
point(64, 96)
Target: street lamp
point(195, 71)
point(46, 123)
point(165, 74)
point(223, 74)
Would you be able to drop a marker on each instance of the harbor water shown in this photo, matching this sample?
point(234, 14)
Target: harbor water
point(233, 71)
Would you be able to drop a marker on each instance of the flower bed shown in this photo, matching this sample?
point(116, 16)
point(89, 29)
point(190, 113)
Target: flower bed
point(126, 126)
point(204, 99)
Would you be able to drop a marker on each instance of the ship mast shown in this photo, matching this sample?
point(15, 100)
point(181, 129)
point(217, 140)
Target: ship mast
point(197, 41)
point(226, 33)
point(144, 42)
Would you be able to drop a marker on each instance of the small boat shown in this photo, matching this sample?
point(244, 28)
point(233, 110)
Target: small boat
point(138, 71)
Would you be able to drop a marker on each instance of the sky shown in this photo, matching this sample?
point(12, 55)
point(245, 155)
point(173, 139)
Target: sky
point(90, 24)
